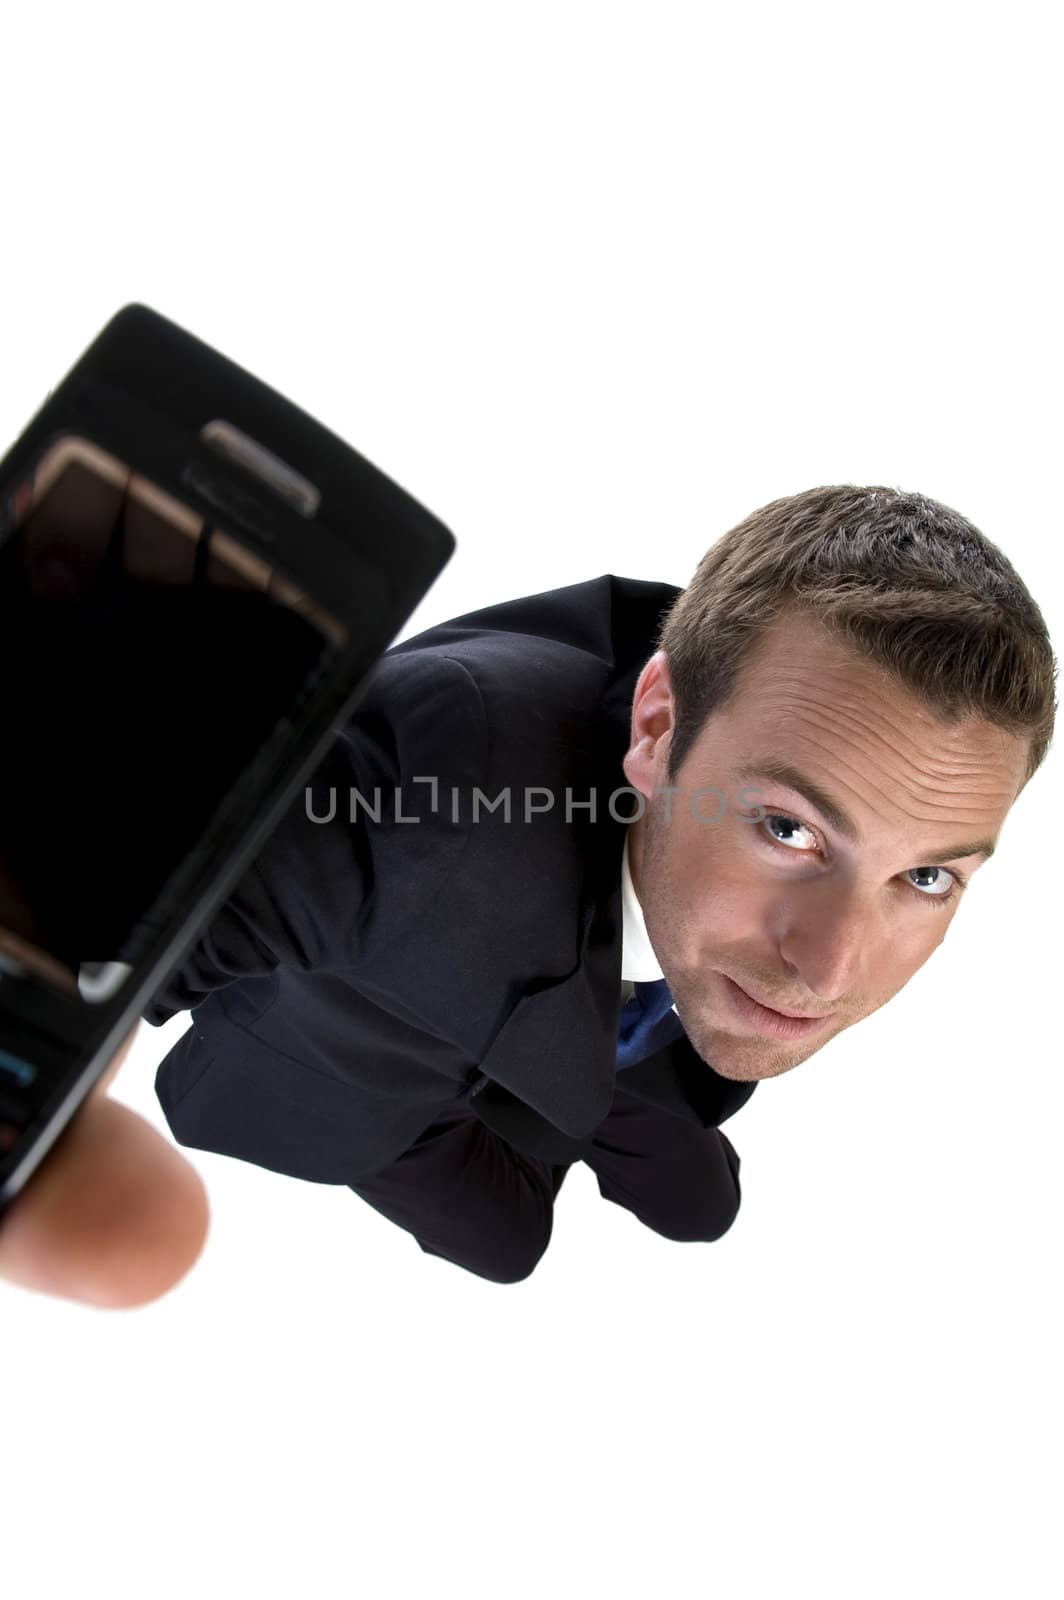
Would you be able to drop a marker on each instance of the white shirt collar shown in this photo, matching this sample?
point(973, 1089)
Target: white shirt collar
point(639, 964)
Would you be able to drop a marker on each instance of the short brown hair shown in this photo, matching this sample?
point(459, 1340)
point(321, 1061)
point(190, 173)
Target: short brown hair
point(908, 583)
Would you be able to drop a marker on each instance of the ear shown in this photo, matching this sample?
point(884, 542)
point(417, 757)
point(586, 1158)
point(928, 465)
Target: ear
point(652, 723)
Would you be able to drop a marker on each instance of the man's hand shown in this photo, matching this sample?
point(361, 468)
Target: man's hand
point(113, 1216)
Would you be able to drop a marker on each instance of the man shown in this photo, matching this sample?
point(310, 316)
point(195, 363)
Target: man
point(441, 1001)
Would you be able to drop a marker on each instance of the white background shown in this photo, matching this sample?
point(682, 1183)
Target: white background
point(592, 281)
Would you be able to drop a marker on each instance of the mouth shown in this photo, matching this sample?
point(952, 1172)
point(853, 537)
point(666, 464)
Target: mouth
point(784, 1011)
point(769, 1021)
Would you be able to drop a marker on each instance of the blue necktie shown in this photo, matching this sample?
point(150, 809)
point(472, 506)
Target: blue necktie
point(648, 1023)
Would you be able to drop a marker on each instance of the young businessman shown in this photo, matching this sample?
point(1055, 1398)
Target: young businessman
point(587, 866)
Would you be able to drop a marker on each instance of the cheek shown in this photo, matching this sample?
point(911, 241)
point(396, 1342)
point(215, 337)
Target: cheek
point(914, 946)
point(715, 886)
point(899, 953)
point(731, 863)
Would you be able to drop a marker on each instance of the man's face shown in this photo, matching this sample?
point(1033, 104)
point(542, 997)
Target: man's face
point(788, 907)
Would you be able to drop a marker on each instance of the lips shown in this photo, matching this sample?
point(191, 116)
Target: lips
point(781, 1010)
point(769, 1022)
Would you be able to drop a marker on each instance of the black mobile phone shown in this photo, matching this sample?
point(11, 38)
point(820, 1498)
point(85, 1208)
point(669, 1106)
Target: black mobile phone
point(196, 579)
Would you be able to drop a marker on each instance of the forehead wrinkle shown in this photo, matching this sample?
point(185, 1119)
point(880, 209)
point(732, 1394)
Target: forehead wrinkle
point(934, 768)
point(867, 742)
point(858, 686)
point(923, 784)
point(854, 711)
point(831, 772)
point(840, 720)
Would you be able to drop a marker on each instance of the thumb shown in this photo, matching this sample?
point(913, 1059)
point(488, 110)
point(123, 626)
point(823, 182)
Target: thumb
point(113, 1217)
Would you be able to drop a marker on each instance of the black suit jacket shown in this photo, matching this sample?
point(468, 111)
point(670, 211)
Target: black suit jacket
point(366, 975)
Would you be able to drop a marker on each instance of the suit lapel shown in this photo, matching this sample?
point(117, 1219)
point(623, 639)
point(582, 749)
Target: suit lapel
point(550, 1075)
point(556, 1052)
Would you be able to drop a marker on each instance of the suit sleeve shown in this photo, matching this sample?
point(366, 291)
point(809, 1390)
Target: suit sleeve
point(311, 898)
point(245, 938)
point(731, 1156)
point(296, 905)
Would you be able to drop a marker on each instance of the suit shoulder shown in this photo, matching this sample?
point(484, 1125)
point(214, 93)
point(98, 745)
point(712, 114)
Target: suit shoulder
point(419, 712)
point(542, 664)
point(606, 618)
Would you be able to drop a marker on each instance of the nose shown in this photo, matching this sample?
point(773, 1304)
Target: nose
point(826, 940)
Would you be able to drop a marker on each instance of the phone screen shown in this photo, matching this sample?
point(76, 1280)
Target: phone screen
point(151, 663)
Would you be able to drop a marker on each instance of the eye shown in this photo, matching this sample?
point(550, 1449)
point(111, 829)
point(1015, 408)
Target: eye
point(791, 825)
point(942, 887)
point(939, 887)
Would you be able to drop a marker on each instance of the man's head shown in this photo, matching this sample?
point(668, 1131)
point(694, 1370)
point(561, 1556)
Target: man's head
point(874, 650)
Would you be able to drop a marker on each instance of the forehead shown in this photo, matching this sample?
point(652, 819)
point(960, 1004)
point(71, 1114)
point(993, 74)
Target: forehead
point(807, 698)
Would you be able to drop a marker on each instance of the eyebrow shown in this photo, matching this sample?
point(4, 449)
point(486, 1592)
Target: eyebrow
point(839, 818)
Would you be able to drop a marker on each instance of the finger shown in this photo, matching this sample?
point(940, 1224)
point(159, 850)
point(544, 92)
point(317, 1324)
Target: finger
point(114, 1216)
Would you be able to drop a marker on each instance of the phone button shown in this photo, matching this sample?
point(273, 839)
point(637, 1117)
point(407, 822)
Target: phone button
point(15, 1067)
point(99, 980)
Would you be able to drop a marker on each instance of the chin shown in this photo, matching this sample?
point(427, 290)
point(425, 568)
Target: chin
point(752, 1071)
point(745, 1060)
